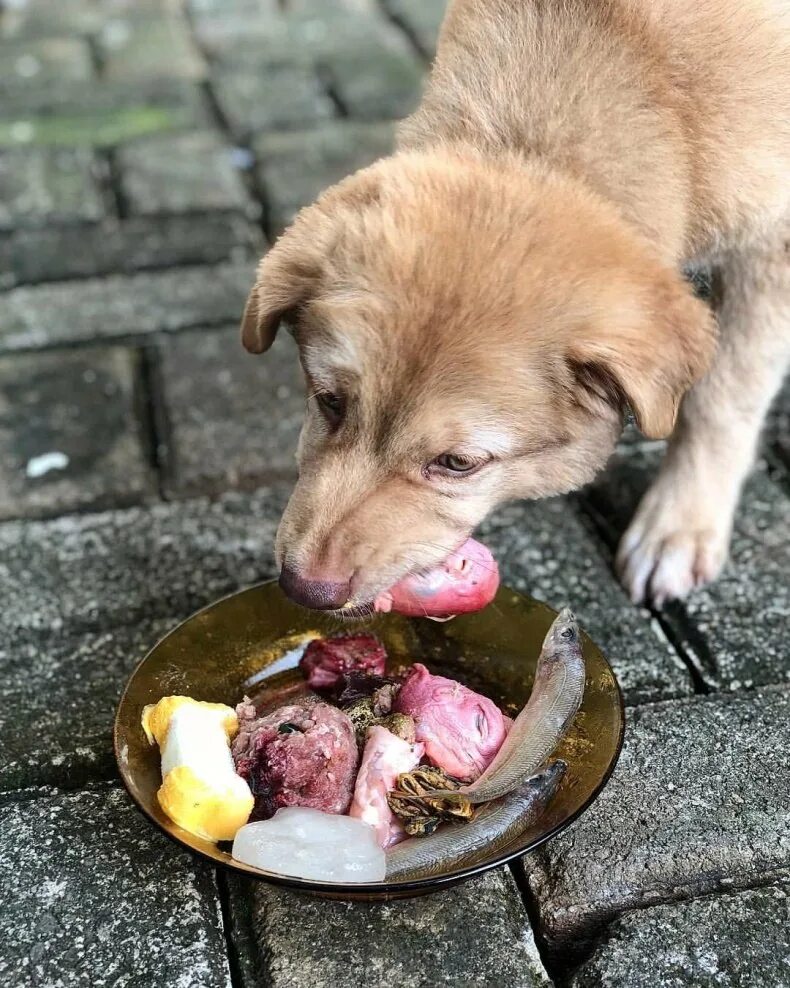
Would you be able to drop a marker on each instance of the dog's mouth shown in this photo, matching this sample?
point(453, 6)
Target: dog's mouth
point(465, 581)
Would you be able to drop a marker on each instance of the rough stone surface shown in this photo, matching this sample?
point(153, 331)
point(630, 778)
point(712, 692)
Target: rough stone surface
point(71, 432)
point(422, 18)
point(137, 244)
point(84, 113)
point(181, 173)
point(548, 549)
point(46, 61)
point(698, 803)
point(736, 631)
point(90, 573)
point(476, 934)
point(778, 428)
point(58, 694)
point(118, 306)
point(95, 897)
point(45, 186)
point(285, 96)
point(728, 941)
point(376, 83)
point(295, 167)
point(231, 420)
point(140, 46)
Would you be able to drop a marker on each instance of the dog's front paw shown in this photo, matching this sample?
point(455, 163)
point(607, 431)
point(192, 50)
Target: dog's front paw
point(670, 548)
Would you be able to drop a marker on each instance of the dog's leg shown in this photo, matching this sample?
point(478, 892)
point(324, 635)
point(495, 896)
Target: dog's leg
point(680, 534)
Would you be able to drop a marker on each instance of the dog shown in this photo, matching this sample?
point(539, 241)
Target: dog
point(477, 313)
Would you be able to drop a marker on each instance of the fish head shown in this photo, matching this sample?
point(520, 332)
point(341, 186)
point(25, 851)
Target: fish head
point(564, 633)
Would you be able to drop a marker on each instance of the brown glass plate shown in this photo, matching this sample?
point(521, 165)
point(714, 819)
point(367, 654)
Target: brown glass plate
point(232, 647)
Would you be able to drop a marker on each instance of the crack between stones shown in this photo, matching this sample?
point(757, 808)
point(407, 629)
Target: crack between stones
point(406, 30)
point(533, 915)
point(231, 950)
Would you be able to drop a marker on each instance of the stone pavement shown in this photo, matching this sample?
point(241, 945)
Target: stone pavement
point(148, 150)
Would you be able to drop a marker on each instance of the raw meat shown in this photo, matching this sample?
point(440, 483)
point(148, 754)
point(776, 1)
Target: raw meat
point(384, 758)
point(461, 730)
point(299, 755)
point(327, 661)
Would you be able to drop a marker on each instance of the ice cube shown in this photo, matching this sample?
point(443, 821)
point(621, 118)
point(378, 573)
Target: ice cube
point(306, 843)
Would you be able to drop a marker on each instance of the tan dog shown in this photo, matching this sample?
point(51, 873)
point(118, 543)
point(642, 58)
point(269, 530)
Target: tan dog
point(476, 313)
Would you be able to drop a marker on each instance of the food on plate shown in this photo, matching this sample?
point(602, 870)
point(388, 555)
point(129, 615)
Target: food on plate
point(420, 814)
point(326, 661)
point(461, 730)
point(555, 698)
point(467, 580)
point(361, 685)
point(200, 790)
point(385, 757)
point(492, 827)
point(302, 754)
point(306, 843)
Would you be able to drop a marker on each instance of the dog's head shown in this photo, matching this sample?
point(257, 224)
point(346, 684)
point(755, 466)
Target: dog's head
point(470, 334)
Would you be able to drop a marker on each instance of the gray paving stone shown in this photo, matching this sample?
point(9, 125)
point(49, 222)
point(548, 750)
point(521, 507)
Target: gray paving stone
point(295, 167)
point(422, 19)
point(476, 934)
point(42, 19)
point(105, 113)
point(46, 61)
point(135, 46)
point(82, 574)
point(30, 256)
point(231, 420)
point(736, 630)
point(58, 696)
point(728, 941)
point(71, 432)
point(181, 173)
point(376, 83)
point(777, 436)
point(41, 186)
point(550, 550)
point(96, 897)
point(120, 306)
point(219, 25)
point(699, 802)
point(285, 96)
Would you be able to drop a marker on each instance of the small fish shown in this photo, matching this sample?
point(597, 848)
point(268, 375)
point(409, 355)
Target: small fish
point(494, 825)
point(556, 696)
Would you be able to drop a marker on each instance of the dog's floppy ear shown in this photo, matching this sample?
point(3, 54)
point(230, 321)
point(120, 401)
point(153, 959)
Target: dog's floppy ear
point(657, 340)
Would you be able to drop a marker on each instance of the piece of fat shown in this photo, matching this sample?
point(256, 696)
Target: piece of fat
point(200, 790)
point(307, 843)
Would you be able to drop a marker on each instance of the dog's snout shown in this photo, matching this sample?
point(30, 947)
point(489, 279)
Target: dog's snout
point(320, 595)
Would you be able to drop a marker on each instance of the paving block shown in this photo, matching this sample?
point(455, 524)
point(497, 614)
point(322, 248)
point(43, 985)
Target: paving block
point(376, 83)
point(220, 25)
point(476, 934)
point(58, 696)
point(49, 61)
point(295, 167)
point(105, 113)
point(121, 306)
point(31, 256)
point(135, 46)
point(549, 549)
point(181, 173)
point(422, 18)
point(284, 96)
point(44, 186)
point(42, 19)
point(232, 420)
point(94, 896)
point(71, 432)
point(736, 630)
point(698, 803)
point(82, 574)
point(727, 941)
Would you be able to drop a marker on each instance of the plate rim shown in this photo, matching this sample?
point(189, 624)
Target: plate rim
point(359, 890)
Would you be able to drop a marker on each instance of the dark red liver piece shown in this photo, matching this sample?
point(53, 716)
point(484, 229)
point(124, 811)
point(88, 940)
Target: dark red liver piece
point(327, 661)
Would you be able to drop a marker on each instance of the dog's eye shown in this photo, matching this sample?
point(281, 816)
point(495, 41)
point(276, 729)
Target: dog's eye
point(333, 406)
point(455, 463)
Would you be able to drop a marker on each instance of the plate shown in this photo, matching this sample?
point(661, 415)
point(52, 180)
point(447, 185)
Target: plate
point(238, 644)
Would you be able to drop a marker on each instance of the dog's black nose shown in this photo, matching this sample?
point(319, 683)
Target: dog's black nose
point(320, 595)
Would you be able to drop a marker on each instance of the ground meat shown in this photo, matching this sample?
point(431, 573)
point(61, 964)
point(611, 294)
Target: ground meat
point(326, 661)
point(302, 754)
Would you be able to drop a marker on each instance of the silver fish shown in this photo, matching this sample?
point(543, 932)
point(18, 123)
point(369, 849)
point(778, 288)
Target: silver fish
point(555, 698)
point(458, 844)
